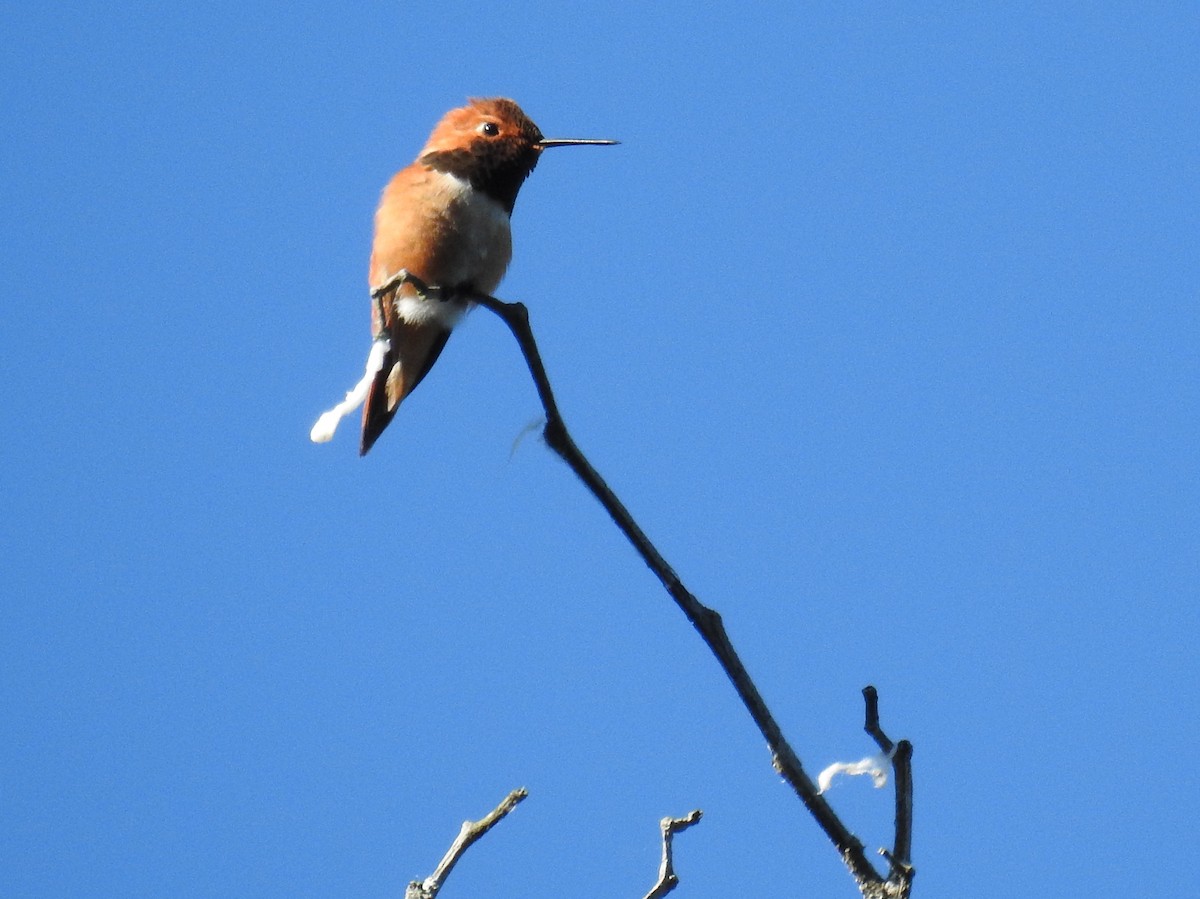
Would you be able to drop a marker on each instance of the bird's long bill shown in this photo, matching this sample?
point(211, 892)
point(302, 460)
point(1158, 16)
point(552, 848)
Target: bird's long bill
point(546, 143)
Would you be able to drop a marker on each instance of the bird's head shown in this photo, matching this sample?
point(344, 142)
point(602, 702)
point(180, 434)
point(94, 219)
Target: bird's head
point(492, 144)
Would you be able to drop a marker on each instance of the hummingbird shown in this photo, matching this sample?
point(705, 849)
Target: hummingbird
point(444, 220)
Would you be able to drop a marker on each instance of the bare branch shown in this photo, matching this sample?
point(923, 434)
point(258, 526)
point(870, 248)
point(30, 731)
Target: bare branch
point(706, 621)
point(902, 872)
point(470, 832)
point(901, 856)
point(871, 697)
point(667, 880)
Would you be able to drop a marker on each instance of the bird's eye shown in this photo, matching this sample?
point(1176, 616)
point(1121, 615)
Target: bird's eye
point(491, 129)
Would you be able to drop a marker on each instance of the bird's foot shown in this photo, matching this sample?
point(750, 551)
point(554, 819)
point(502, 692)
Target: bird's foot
point(423, 289)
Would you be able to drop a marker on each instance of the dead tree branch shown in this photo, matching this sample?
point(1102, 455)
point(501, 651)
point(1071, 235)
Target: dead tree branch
point(667, 880)
point(711, 629)
point(470, 832)
point(902, 871)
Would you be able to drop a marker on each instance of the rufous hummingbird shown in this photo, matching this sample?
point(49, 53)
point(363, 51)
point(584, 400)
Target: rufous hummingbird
point(444, 220)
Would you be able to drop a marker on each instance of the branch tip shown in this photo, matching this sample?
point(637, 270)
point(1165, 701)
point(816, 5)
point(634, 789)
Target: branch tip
point(467, 835)
point(667, 879)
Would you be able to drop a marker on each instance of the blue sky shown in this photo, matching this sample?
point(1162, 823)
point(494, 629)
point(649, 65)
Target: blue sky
point(883, 322)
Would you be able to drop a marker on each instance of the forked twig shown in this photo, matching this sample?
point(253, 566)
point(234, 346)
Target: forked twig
point(667, 880)
point(899, 858)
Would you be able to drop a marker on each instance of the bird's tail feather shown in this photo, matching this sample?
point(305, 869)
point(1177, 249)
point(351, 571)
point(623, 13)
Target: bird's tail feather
point(413, 350)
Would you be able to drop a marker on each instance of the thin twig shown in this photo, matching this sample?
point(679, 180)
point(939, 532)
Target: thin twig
point(871, 699)
point(706, 621)
point(470, 832)
point(667, 880)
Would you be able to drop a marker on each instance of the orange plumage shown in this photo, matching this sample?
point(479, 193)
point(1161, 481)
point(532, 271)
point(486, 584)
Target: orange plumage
point(445, 219)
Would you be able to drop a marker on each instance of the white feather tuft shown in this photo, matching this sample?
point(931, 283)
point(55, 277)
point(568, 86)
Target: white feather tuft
point(322, 431)
point(875, 765)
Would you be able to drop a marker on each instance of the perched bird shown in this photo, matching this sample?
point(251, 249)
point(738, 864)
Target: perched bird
point(445, 219)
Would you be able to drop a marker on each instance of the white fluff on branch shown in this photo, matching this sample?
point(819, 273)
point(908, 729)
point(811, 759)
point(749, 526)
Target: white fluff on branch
point(875, 765)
